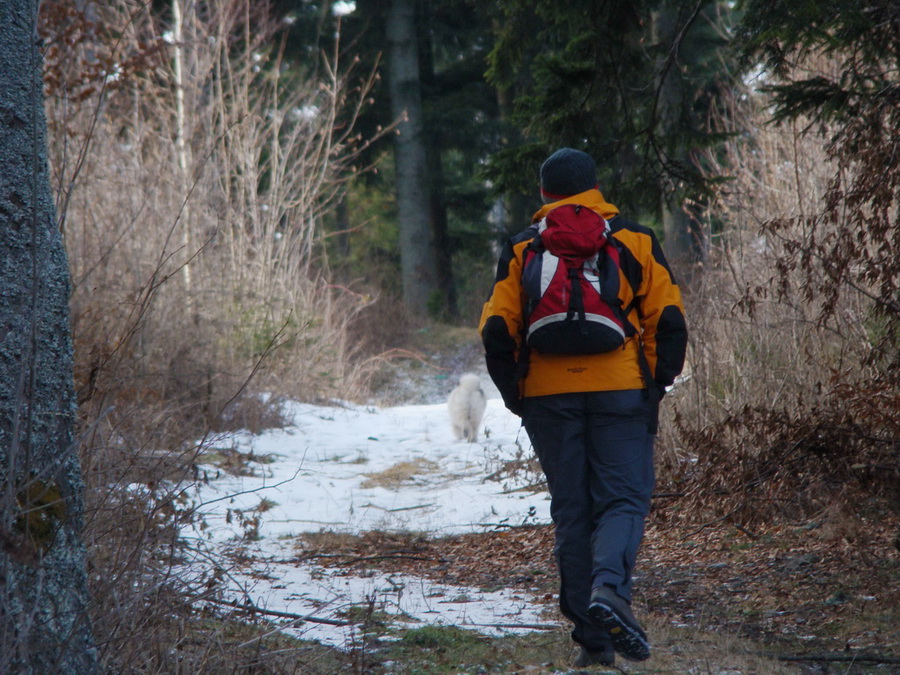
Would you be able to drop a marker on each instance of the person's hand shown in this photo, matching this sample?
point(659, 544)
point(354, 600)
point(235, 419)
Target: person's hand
point(515, 406)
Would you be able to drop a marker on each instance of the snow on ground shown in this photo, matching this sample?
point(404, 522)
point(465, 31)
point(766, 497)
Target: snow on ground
point(351, 469)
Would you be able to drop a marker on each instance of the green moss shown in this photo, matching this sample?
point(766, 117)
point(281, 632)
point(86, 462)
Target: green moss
point(442, 637)
point(42, 510)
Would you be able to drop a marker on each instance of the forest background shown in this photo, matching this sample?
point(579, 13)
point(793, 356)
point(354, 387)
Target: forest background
point(262, 201)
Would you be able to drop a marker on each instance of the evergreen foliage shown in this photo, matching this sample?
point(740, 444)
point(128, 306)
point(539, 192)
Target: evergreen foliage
point(864, 36)
point(630, 83)
point(828, 172)
point(852, 244)
point(459, 127)
point(503, 84)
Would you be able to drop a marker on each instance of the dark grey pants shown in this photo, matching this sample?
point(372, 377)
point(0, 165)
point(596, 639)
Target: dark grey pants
point(596, 451)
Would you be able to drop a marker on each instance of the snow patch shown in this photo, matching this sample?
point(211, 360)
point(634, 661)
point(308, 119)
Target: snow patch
point(352, 469)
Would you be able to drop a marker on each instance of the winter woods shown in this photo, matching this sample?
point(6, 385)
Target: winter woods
point(235, 203)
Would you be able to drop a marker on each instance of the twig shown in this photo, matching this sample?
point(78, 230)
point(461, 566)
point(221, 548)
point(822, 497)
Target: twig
point(842, 658)
point(253, 609)
point(399, 508)
point(743, 529)
point(408, 508)
point(532, 626)
point(398, 353)
point(533, 487)
point(711, 523)
point(232, 495)
point(351, 560)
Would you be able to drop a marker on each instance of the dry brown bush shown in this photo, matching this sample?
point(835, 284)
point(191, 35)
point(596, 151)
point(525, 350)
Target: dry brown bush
point(789, 405)
point(192, 169)
point(192, 222)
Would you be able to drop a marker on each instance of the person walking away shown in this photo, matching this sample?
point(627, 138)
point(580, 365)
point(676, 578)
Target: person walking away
point(588, 404)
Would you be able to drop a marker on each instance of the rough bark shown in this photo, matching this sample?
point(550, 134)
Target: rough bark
point(413, 203)
point(684, 236)
point(440, 231)
point(513, 211)
point(440, 227)
point(44, 624)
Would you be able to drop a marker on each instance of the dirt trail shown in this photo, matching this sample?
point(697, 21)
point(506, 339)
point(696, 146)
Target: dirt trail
point(822, 596)
point(800, 594)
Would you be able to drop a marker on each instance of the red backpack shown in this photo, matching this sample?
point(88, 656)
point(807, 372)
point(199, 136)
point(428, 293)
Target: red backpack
point(570, 274)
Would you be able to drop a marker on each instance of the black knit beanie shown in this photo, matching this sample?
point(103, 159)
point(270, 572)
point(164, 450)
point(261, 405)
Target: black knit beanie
point(567, 172)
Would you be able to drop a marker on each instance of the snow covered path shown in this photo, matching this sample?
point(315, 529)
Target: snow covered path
point(354, 469)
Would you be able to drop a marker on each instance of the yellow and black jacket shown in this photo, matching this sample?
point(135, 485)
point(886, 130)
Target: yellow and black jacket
point(646, 285)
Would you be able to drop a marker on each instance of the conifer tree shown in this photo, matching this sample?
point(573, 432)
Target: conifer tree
point(853, 243)
point(630, 83)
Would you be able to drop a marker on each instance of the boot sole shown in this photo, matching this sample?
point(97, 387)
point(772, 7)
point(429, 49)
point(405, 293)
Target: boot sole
point(626, 640)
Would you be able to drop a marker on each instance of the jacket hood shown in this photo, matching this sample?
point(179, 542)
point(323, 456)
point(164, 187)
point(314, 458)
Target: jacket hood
point(593, 199)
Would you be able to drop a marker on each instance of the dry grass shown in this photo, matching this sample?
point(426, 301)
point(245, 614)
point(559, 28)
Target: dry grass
point(714, 598)
point(190, 185)
point(687, 650)
point(400, 474)
point(778, 402)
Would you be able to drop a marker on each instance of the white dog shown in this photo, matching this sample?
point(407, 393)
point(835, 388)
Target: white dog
point(466, 406)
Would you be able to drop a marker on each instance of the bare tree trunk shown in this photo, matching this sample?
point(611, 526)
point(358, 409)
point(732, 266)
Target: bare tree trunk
point(44, 624)
point(413, 204)
point(513, 212)
point(440, 227)
point(677, 226)
point(440, 230)
point(683, 235)
point(180, 145)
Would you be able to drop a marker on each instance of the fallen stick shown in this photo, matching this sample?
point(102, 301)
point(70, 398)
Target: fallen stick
point(533, 487)
point(253, 609)
point(843, 658)
point(351, 559)
point(531, 626)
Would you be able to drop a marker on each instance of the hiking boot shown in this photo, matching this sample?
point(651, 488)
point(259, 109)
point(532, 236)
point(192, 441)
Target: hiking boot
point(610, 612)
point(604, 657)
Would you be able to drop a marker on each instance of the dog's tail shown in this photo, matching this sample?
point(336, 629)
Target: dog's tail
point(470, 381)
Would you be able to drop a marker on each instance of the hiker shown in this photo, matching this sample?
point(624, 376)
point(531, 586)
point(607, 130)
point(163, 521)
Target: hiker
point(591, 417)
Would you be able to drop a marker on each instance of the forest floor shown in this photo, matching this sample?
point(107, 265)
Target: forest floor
point(818, 596)
point(821, 596)
point(715, 599)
